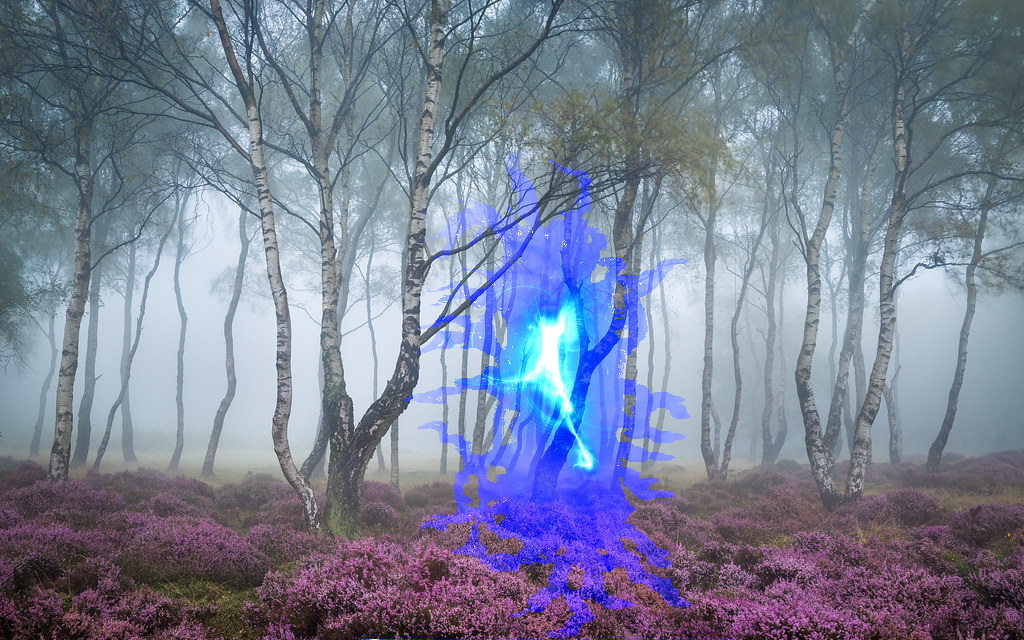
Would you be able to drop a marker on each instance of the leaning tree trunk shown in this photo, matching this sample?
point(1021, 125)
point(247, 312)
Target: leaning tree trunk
point(37, 431)
point(229, 347)
point(60, 453)
point(92, 345)
point(381, 465)
point(748, 271)
point(819, 452)
point(283, 401)
point(939, 444)
point(127, 429)
point(179, 396)
point(126, 378)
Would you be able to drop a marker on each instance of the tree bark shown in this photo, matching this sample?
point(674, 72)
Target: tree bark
point(60, 453)
point(394, 457)
point(229, 347)
point(892, 410)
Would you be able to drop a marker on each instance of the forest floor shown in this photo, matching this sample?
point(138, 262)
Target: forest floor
point(140, 554)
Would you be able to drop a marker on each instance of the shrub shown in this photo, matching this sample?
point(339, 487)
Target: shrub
point(167, 549)
point(367, 588)
point(986, 524)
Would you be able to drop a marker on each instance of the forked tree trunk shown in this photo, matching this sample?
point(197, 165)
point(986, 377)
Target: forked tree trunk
point(229, 347)
point(60, 453)
point(37, 431)
point(126, 378)
point(886, 301)
point(819, 452)
point(857, 253)
point(351, 451)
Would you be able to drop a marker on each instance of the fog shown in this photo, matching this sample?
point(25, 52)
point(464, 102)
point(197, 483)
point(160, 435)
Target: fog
point(931, 308)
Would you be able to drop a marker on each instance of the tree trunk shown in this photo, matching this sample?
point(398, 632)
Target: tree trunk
point(229, 347)
point(783, 429)
point(707, 451)
point(489, 318)
point(648, 461)
point(179, 396)
point(394, 457)
point(126, 378)
point(767, 443)
point(351, 451)
point(60, 453)
point(92, 345)
point(283, 401)
point(37, 431)
point(857, 252)
point(939, 444)
point(892, 410)
point(127, 429)
point(886, 302)
point(667, 350)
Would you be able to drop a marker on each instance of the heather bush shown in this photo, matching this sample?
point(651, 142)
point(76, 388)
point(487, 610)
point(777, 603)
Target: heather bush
point(434, 495)
point(986, 524)
point(284, 544)
point(22, 475)
point(368, 588)
point(253, 493)
point(167, 504)
point(382, 493)
point(901, 507)
point(63, 499)
point(166, 549)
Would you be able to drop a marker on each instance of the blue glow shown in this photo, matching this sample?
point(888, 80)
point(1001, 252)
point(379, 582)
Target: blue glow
point(547, 374)
point(538, 322)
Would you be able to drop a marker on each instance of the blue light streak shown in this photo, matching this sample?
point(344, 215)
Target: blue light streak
point(552, 303)
point(547, 374)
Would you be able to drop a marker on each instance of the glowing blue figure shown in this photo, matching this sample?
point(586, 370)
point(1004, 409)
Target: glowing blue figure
point(548, 369)
point(536, 370)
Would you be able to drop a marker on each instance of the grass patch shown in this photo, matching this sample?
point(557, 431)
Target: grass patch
point(223, 604)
